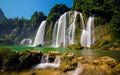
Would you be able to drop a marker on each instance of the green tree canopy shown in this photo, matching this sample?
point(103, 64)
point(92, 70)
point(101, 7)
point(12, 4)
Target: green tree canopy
point(57, 11)
point(103, 8)
point(115, 26)
point(37, 18)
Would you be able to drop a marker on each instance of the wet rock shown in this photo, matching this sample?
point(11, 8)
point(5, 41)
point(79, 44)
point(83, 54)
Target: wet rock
point(80, 58)
point(74, 62)
point(54, 53)
point(90, 69)
point(66, 67)
point(69, 55)
point(105, 60)
point(116, 69)
point(33, 73)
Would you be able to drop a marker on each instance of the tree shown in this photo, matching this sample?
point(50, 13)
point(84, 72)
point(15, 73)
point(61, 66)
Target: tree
point(57, 11)
point(37, 18)
point(115, 26)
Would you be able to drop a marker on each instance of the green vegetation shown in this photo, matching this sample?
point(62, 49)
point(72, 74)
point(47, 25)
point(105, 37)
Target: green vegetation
point(37, 18)
point(106, 13)
point(11, 60)
point(18, 28)
point(78, 30)
point(107, 24)
point(55, 12)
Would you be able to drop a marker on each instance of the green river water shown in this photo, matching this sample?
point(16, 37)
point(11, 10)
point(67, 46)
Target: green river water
point(94, 53)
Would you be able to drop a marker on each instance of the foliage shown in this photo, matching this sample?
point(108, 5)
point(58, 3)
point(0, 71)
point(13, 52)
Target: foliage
point(106, 12)
point(103, 8)
point(115, 26)
point(9, 58)
point(12, 60)
point(78, 30)
point(55, 12)
point(18, 28)
point(37, 18)
point(5, 41)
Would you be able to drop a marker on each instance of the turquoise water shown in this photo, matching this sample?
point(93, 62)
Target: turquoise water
point(95, 53)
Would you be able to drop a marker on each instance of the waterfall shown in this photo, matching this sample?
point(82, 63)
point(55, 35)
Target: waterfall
point(78, 70)
point(45, 59)
point(64, 31)
point(61, 27)
point(82, 21)
point(27, 41)
point(87, 36)
point(40, 34)
point(64, 34)
point(54, 34)
point(72, 30)
point(57, 60)
point(46, 64)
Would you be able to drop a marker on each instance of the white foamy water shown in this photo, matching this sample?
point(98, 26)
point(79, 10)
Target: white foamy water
point(46, 64)
point(39, 38)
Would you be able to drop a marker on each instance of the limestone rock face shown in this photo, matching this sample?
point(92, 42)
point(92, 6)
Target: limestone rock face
point(1, 15)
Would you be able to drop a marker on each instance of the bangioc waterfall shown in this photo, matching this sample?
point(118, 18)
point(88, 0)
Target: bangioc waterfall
point(64, 31)
point(40, 34)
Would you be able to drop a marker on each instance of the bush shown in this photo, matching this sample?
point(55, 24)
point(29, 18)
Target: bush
point(12, 60)
point(9, 59)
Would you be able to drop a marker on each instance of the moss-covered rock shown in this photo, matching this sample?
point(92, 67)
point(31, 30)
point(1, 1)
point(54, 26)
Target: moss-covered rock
point(74, 47)
point(116, 69)
point(90, 69)
point(105, 60)
point(29, 58)
point(13, 60)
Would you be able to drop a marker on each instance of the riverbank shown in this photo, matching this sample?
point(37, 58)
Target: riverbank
point(21, 63)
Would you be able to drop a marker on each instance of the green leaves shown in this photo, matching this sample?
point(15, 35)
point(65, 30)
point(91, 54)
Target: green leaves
point(57, 11)
point(115, 25)
point(37, 18)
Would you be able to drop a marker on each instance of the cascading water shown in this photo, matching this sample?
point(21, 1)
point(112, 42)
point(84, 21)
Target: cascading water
point(54, 34)
point(40, 34)
point(87, 36)
point(27, 41)
point(72, 30)
point(63, 35)
point(82, 21)
point(64, 31)
point(44, 59)
point(78, 70)
point(45, 64)
point(60, 37)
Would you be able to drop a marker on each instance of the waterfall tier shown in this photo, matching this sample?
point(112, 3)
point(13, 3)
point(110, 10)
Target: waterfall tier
point(87, 36)
point(46, 64)
point(27, 41)
point(40, 34)
point(64, 31)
